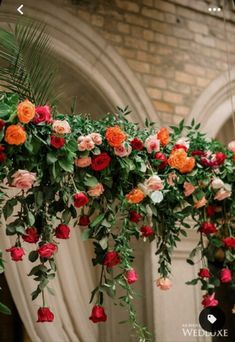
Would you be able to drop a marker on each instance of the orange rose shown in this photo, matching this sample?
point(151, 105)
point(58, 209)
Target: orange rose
point(15, 135)
point(25, 111)
point(177, 159)
point(164, 136)
point(200, 203)
point(135, 196)
point(115, 136)
point(188, 165)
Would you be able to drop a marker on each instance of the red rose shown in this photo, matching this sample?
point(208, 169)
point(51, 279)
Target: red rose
point(179, 146)
point(204, 273)
point(62, 232)
point(220, 158)
point(43, 114)
point(131, 276)
point(209, 300)
point(161, 156)
point(31, 235)
point(57, 142)
point(225, 275)
point(210, 210)
point(208, 228)
point(2, 154)
point(100, 162)
point(198, 153)
point(80, 200)
point(206, 162)
point(111, 259)
point(2, 124)
point(17, 253)
point(229, 242)
point(45, 315)
point(98, 314)
point(47, 250)
point(137, 144)
point(84, 220)
point(134, 216)
point(146, 231)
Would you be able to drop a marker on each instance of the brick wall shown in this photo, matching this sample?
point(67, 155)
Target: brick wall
point(176, 48)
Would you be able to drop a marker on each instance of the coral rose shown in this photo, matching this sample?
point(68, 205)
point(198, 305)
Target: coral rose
point(200, 203)
point(111, 259)
point(47, 250)
point(96, 191)
point(209, 300)
point(177, 159)
point(225, 275)
point(115, 136)
point(45, 315)
point(61, 127)
point(131, 276)
point(188, 166)
point(25, 111)
point(189, 188)
point(23, 179)
point(98, 314)
point(17, 253)
point(83, 162)
point(135, 196)
point(164, 284)
point(31, 235)
point(152, 144)
point(15, 135)
point(164, 136)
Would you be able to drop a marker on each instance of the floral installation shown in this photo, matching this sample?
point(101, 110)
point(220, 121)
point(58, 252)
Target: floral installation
point(114, 181)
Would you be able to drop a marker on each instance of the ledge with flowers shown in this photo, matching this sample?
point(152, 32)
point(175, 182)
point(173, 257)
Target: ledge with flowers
point(118, 182)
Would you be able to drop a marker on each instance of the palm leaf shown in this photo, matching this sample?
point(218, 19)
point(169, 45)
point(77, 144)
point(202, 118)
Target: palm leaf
point(27, 63)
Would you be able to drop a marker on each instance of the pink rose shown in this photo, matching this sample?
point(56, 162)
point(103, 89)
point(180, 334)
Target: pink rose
point(86, 143)
point(152, 144)
point(131, 276)
point(83, 162)
point(122, 151)
point(43, 114)
point(200, 203)
point(183, 141)
point(96, 190)
point(23, 179)
point(164, 283)
point(217, 183)
point(222, 194)
point(97, 138)
point(209, 300)
point(225, 275)
point(231, 146)
point(188, 189)
point(61, 127)
point(171, 178)
point(154, 183)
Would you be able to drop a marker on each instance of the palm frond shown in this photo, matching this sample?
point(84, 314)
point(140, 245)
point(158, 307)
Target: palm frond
point(27, 62)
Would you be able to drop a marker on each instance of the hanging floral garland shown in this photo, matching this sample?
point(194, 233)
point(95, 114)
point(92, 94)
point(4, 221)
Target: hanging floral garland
point(117, 182)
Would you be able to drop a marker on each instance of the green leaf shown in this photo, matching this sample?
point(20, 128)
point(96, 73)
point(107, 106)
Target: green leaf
point(66, 164)
point(51, 157)
point(30, 218)
point(33, 255)
point(97, 220)
point(85, 234)
point(4, 309)
point(20, 230)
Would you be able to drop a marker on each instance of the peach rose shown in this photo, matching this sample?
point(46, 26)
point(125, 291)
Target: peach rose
point(115, 136)
point(164, 136)
point(152, 144)
point(171, 178)
point(200, 203)
point(23, 179)
point(154, 183)
point(231, 146)
point(26, 111)
point(189, 188)
point(217, 183)
point(164, 283)
point(97, 138)
point(83, 161)
point(15, 135)
point(122, 151)
point(61, 127)
point(87, 144)
point(96, 191)
point(222, 194)
point(135, 196)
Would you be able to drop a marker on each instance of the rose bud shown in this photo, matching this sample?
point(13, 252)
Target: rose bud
point(17, 253)
point(62, 232)
point(84, 220)
point(208, 228)
point(31, 235)
point(80, 200)
point(225, 275)
point(204, 273)
point(210, 210)
point(209, 300)
point(146, 231)
point(47, 250)
point(164, 284)
point(98, 314)
point(45, 315)
point(111, 259)
point(134, 216)
point(131, 276)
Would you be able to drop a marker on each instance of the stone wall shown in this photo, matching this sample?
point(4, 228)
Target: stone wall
point(175, 48)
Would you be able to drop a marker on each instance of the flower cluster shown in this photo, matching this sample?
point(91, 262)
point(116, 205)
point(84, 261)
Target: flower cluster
point(116, 182)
